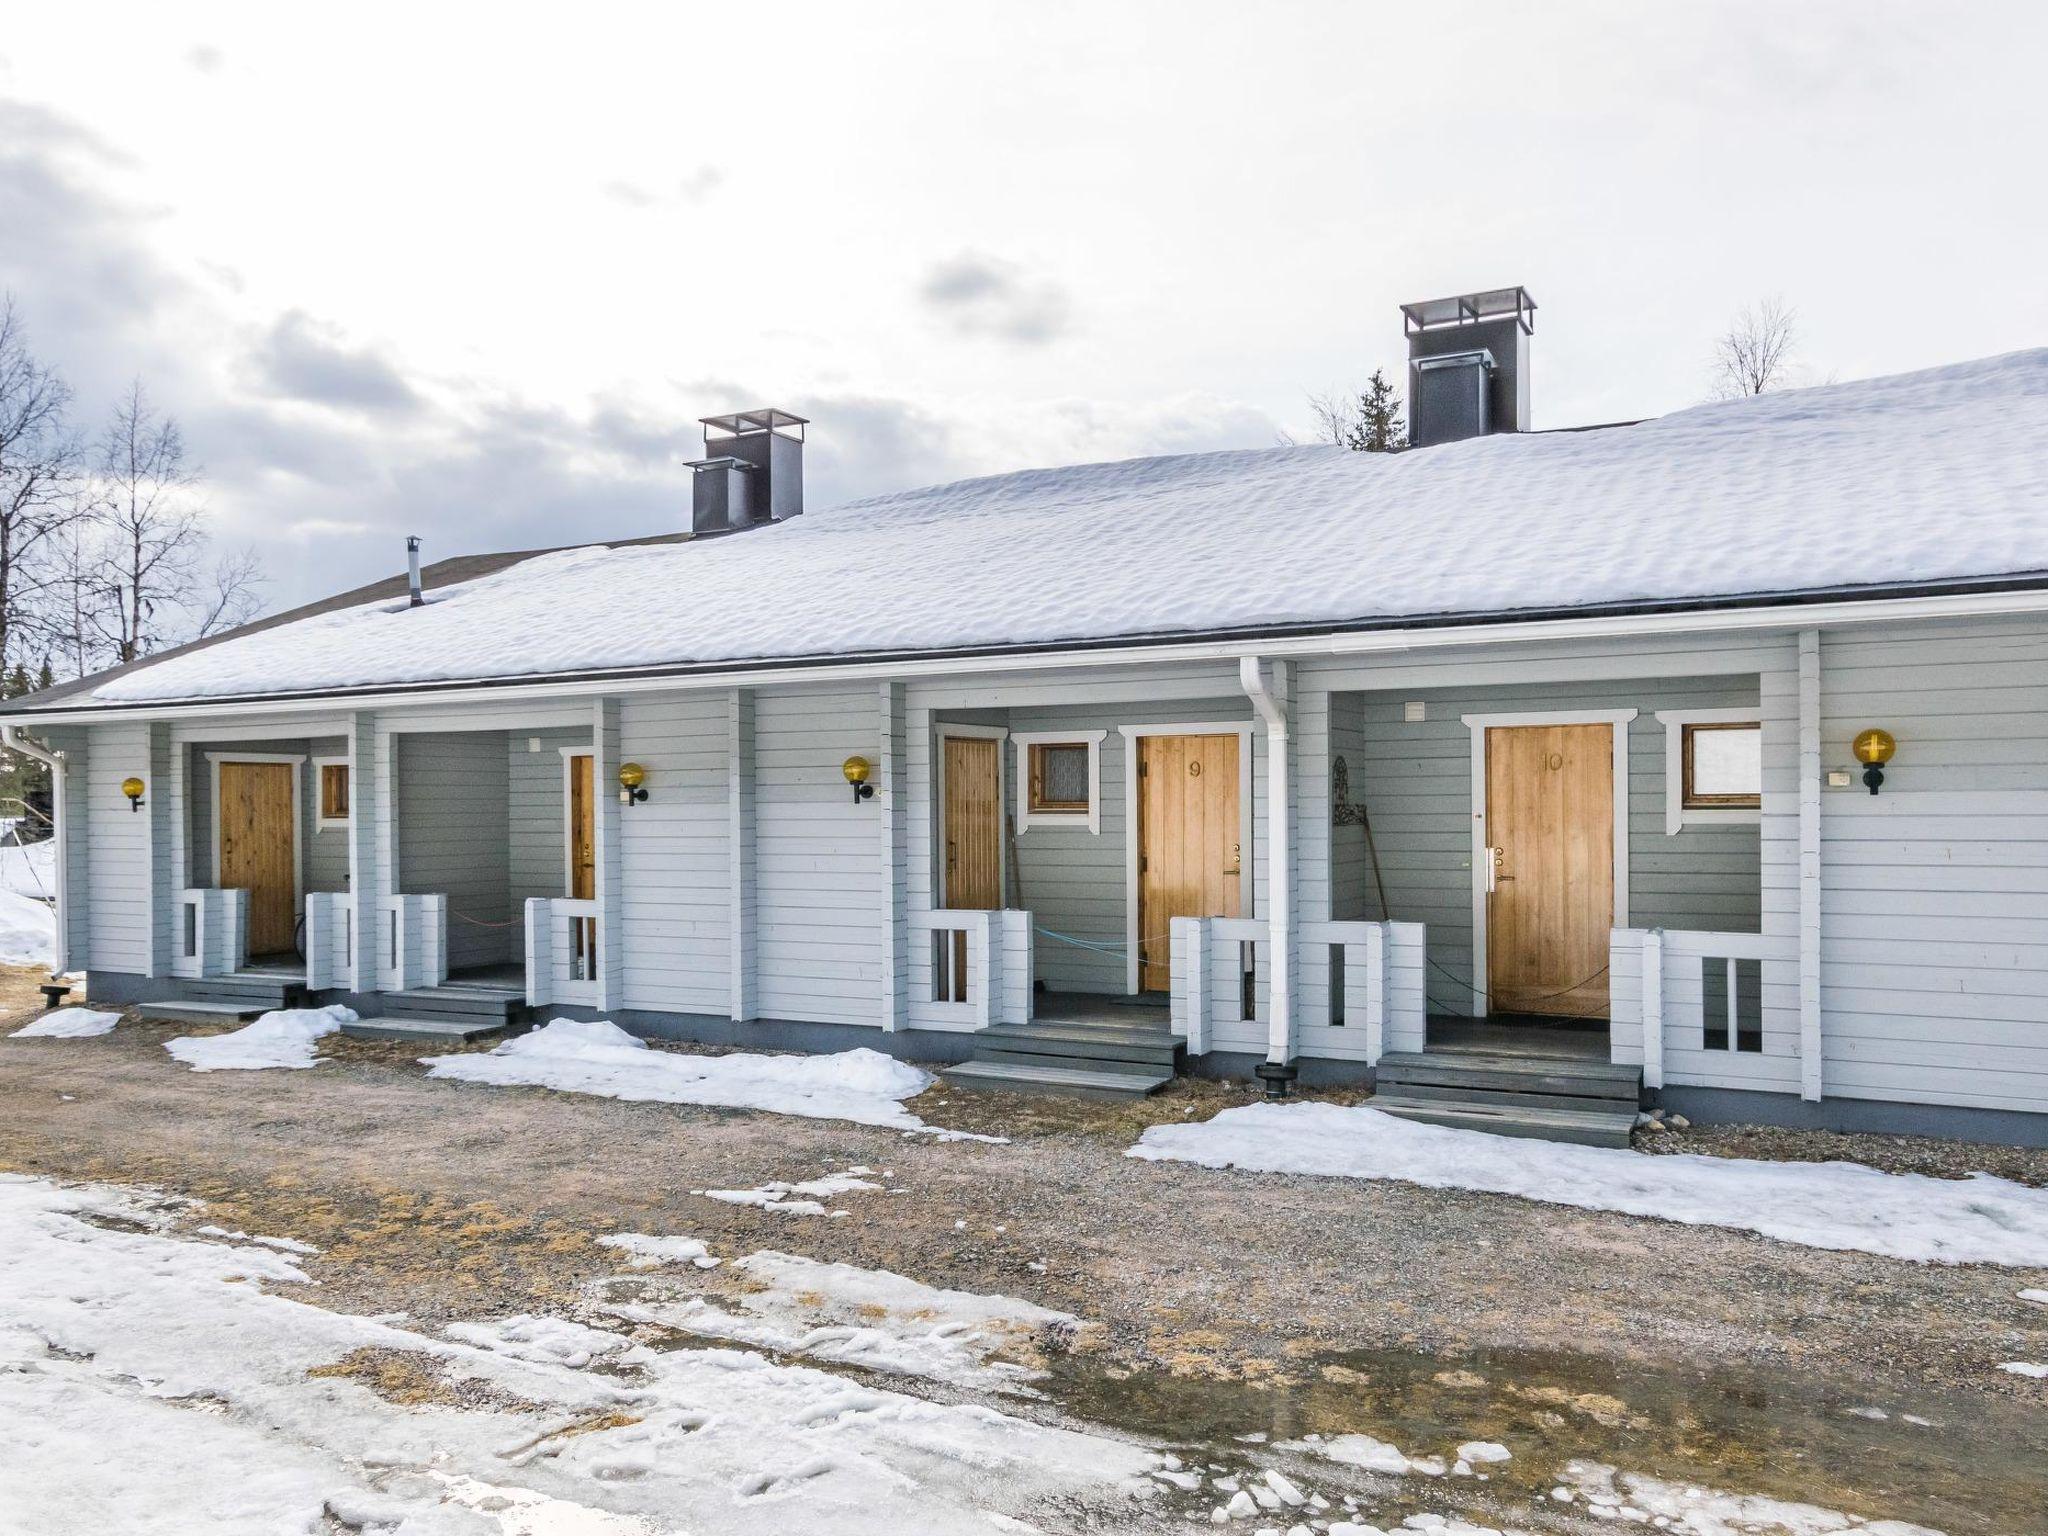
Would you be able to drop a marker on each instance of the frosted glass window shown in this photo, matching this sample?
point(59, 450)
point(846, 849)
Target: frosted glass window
point(1724, 766)
point(1059, 776)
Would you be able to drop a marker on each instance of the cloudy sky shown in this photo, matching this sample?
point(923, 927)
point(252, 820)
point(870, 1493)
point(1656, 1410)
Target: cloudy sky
point(473, 272)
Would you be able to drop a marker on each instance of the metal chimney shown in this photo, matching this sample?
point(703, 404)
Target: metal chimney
point(412, 570)
point(752, 471)
point(1468, 365)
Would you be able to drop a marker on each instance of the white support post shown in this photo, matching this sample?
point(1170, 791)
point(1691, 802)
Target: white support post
point(1190, 993)
point(159, 889)
point(1268, 693)
point(742, 960)
point(1810, 1068)
point(1653, 1008)
point(540, 958)
point(893, 852)
point(382, 885)
point(366, 790)
point(611, 924)
point(1376, 993)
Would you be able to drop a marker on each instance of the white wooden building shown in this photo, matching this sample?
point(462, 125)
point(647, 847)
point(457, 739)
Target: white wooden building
point(1289, 822)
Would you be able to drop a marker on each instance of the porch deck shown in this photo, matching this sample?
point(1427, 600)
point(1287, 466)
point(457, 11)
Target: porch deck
point(1535, 1038)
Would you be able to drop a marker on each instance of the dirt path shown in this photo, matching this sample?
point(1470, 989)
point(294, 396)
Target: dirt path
point(447, 1199)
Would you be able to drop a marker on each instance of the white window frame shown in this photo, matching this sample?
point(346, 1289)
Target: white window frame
point(1676, 816)
point(322, 822)
point(1246, 825)
point(1028, 818)
point(1617, 721)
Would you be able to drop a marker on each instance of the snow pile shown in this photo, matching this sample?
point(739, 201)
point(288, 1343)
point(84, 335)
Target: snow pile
point(69, 1024)
point(1914, 478)
point(129, 1338)
point(596, 1056)
point(868, 1317)
point(1633, 1499)
point(1978, 1220)
point(30, 870)
point(2026, 1368)
point(804, 1199)
point(28, 930)
point(653, 1252)
point(283, 1038)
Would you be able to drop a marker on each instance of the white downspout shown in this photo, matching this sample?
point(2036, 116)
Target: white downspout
point(14, 741)
point(1270, 700)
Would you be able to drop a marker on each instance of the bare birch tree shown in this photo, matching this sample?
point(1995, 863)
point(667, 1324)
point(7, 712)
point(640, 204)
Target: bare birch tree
point(1754, 355)
point(151, 584)
point(39, 475)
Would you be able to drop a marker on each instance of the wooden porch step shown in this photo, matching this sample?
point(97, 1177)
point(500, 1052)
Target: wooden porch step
point(445, 1030)
point(1106, 1043)
point(448, 1001)
point(1502, 1098)
point(1587, 1128)
point(1073, 1081)
point(191, 1010)
point(1511, 1074)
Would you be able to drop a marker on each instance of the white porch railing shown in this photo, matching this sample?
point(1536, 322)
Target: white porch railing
point(330, 940)
point(213, 932)
point(1215, 964)
point(1219, 970)
point(970, 969)
point(561, 951)
point(1658, 984)
point(1380, 995)
point(414, 943)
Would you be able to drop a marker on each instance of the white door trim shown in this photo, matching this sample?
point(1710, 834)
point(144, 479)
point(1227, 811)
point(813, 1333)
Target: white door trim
point(1242, 729)
point(1617, 721)
point(997, 734)
point(297, 760)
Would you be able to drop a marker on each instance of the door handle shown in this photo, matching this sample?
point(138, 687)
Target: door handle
point(1236, 860)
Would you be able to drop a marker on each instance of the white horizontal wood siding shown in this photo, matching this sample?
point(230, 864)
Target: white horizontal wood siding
point(1934, 906)
point(820, 878)
point(117, 859)
point(674, 873)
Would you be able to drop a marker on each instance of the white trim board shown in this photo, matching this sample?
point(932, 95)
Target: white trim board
point(1617, 722)
point(1675, 813)
point(941, 729)
point(1247, 830)
point(297, 760)
point(1090, 818)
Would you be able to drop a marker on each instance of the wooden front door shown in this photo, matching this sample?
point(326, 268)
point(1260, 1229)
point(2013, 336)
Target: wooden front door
point(582, 863)
point(1550, 827)
point(257, 852)
point(1190, 849)
point(974, 844)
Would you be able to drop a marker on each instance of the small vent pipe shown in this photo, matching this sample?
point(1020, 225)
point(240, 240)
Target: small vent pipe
point(412, 570)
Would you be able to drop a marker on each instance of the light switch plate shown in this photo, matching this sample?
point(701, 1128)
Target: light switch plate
point(1838, 778)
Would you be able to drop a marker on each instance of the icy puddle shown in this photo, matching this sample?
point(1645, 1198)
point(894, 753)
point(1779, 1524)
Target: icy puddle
point(1705, 1454)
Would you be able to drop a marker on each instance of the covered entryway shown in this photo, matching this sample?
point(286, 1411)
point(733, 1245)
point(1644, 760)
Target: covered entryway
point(971, 869)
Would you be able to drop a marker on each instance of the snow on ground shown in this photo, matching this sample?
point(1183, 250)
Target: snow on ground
point(868, 1317)
point(282, 1038)
point(645, 1252)
point(1978, 1220)
point(595, 1056)
point(186, 1356)
point(28, 929)
point(2038, 1298)
point(804, 1199)
point(2026, 1368)
point(1911, 478)
point(30, 870)
point(1630, 1498)
point(69, 1024)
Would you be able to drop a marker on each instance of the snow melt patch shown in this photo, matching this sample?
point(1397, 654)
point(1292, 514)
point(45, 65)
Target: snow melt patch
point(132, 1339)
point(869, 1317)
point(1913, 478)
point(28, 930)
point(282, 1038)
point(2026, 1368)
point(1977, 1220)
point(596, 1056)
point(1636, 1499)
point(804, 1199)
point(652, 1252)
point(69, 1024)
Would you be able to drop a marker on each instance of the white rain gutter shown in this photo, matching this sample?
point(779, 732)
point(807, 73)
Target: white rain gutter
point(1785, 617)
point(1270, 700)
point(14, 741)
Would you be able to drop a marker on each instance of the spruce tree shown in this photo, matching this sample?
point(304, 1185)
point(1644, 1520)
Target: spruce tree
point(1378, 428)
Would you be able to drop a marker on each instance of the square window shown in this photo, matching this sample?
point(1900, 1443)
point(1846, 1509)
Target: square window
point(1724, 766)
point(1059, 777)
point(333, 793)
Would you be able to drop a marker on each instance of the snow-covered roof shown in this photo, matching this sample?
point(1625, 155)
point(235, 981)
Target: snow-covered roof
point(1923, 477)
